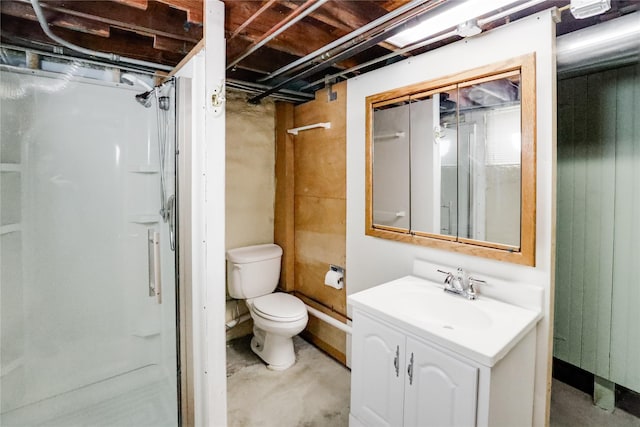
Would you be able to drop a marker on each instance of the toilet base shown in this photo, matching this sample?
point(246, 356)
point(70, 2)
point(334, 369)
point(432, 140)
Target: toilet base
point(275, 350)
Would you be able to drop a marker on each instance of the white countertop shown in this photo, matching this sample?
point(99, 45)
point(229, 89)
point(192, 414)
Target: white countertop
point(483, 330)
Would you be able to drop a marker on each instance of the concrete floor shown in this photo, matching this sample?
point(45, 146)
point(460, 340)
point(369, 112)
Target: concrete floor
point(315, 393)
point(312, 393)
point(571, 407)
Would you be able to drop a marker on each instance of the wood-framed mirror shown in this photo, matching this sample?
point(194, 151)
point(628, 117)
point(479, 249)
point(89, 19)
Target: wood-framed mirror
point(451, 162)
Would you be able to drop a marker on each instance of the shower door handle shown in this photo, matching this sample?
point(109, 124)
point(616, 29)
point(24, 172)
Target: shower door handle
point(171, 206)
point(153, 246)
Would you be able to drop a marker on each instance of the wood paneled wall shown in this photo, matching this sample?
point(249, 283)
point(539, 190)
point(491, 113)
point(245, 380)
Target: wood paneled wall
point(310, 208)
point(598, 231)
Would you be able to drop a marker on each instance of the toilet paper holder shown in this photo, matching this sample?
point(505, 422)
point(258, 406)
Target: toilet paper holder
point(336, 268)
point(334, 277)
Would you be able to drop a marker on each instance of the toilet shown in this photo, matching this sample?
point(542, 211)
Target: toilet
point(252, 274)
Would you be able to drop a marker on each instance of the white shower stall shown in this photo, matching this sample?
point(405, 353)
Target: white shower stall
point(83, 341)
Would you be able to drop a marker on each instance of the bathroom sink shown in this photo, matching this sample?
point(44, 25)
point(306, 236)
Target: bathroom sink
point(443, 310)
point(483, 330)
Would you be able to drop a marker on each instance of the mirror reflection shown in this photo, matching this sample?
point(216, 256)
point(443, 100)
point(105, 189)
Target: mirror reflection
point(447, 163)
point(391, 165)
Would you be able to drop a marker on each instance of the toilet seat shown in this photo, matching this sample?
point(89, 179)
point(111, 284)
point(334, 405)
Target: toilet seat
point(279, 307)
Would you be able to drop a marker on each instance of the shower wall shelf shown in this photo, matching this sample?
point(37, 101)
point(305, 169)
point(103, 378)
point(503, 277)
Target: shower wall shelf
point(144, 169)
point(10, 228)
point(144, 219)
point(146, 333)
point(390, 136)
point(10, 167)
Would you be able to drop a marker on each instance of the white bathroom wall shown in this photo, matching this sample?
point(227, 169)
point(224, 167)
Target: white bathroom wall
point(215, 231)
point(371, 261)
point(206, 71)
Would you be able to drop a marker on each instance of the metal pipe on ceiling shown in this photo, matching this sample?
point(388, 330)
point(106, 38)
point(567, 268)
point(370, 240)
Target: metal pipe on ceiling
point(425, 42)
point(344, 39)
point(279, 28)
point(615, 42)
point(509, 11)
point(109, 56)
point(365, 42)
point(257, 87)
point(402, 51)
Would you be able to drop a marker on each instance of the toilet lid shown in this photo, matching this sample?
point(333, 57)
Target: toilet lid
point(280, 306)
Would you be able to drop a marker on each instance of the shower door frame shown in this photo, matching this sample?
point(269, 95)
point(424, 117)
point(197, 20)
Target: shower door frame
point(184, 315)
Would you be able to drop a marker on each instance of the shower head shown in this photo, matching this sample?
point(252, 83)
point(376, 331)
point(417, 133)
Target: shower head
point(132, 80)
point(145, 98)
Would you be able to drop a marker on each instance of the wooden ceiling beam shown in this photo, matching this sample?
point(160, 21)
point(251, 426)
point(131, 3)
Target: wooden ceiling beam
point(23, 10)
point(158, 19)
point(393, 4)
point(356, 13)
point(249, 20)
point(194, 9)
point(123, 43)
point(343, 18)
point(262, 64)
point(279, 27)
point(138, 4)
point(298, 40)
point(264, 59)
point(172, 45)
point(323, 16)
point(342, 11)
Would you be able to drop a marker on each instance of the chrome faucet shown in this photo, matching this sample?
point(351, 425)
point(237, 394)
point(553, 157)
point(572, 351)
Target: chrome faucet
point(459, 284)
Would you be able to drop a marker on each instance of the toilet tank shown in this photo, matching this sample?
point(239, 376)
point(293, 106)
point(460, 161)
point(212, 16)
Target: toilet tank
point(253, 271)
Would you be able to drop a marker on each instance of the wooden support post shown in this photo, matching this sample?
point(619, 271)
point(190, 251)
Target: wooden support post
point(284, 203)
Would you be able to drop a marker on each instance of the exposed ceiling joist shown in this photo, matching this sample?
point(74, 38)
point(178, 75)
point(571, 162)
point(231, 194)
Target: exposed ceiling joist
point(63, 20)
point(163, 32)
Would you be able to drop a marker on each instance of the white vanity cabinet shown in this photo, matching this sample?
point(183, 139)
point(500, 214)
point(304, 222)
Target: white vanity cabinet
point(408, 371)
point(439, 390)
point(398, 380)
point(377, 376)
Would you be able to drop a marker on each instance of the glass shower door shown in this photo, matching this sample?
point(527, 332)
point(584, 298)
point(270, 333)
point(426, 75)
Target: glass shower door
point(85, 337)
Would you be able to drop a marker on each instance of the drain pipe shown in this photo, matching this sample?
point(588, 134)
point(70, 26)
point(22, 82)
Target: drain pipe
point(614, 42)
point(328, 319)
point(108, 56)
point(314, 312)
point(235, 322)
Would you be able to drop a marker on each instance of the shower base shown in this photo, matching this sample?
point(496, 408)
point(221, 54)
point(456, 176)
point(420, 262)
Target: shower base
point(138, 398)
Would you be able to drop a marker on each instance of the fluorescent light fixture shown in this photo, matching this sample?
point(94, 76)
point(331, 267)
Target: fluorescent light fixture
point(581, 9)
point(462, 12)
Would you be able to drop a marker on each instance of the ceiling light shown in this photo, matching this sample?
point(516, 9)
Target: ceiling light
point(459, 14)
point(581, 9)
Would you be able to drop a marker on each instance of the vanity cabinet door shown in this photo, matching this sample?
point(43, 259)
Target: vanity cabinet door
point(377, 373)
point(439, 389)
